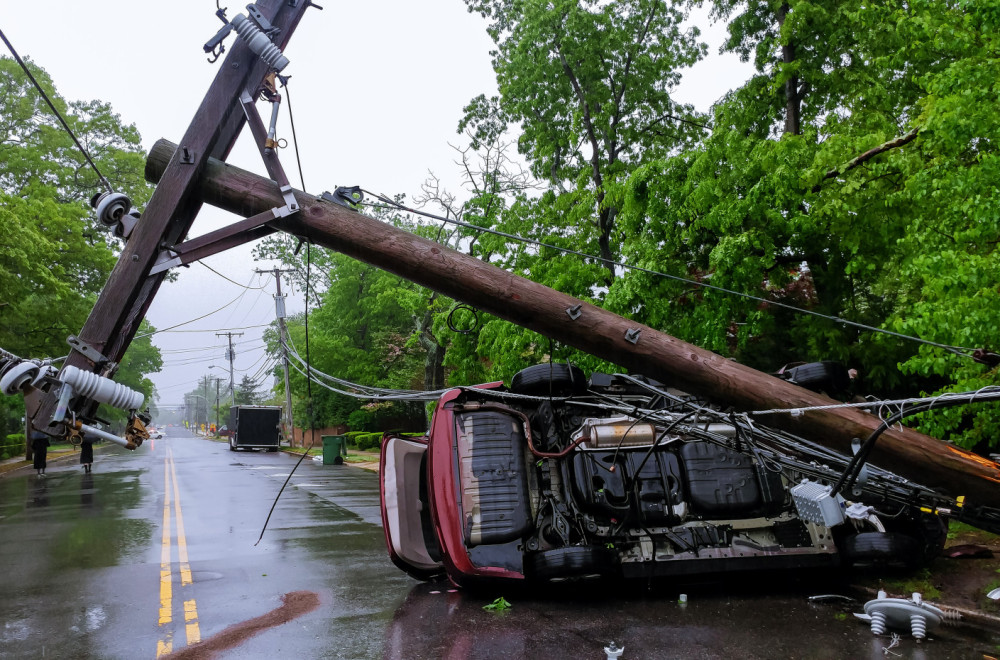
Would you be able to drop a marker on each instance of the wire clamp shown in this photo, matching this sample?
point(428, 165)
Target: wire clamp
point(88, 351)
point(347, 196)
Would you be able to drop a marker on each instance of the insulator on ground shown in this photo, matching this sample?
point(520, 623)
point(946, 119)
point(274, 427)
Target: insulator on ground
point(878, 622)
point(918, 626)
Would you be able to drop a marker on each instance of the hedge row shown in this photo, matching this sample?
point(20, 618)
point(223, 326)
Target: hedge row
point(364, 440)
point(12, 446)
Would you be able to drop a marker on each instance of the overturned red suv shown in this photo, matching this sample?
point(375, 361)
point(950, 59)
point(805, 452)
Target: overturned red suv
point(560, 476)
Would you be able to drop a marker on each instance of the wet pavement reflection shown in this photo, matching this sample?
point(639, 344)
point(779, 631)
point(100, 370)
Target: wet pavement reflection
point(83, 566)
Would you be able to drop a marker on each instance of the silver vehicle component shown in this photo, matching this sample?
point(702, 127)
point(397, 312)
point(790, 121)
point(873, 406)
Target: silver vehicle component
point(815, 504)
point(858, 511)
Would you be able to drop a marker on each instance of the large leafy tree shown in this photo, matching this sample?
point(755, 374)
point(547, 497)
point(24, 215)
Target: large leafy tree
point(54, 257)
point(589, 84)
point(848, 176)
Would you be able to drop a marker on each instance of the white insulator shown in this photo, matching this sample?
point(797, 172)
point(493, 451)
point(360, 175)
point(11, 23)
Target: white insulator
point(102, 389)
point(878, 622)
point(950, 617)
point(918, 626)
point(111, 207)
point(258, 42)
point(19, 377)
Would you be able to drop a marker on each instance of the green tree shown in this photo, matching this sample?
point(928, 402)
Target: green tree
point(849, 176)
point(589, 83)
point(54, 257)
point(248, 392)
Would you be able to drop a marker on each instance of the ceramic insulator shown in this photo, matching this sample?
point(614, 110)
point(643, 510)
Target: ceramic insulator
point(102, 389)
point(918, 626)
point(878, 622)
point(258, 42)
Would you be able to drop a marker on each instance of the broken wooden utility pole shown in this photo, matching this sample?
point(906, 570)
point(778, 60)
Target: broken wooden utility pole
point(636, 347)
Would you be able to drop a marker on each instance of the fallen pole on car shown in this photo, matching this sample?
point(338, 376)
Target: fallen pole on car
point(636, 347)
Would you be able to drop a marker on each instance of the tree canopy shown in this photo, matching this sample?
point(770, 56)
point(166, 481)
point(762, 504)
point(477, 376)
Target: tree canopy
point(54, 256)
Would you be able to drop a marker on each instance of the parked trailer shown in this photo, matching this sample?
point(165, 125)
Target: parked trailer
point(255, 427)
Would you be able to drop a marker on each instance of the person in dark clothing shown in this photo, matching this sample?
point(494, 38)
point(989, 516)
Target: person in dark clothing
point(39, 448)
point(86, 454)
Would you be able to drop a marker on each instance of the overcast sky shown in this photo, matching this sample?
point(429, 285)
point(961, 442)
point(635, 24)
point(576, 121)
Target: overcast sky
point(377, 89)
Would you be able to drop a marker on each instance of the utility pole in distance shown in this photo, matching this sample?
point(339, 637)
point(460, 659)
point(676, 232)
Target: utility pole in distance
point(279, 312)
point(231, 354)
point(217, 381)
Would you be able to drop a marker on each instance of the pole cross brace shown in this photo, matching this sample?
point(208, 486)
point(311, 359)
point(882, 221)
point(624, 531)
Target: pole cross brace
point(220, 240)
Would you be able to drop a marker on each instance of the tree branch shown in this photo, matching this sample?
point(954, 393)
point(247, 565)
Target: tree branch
point(867, 156)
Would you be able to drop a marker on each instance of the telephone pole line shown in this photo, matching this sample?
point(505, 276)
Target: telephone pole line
point(279, 312)
point(231, 354)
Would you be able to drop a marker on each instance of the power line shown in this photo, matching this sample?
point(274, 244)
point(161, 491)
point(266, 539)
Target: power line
point(248, 327)
point(959, 350)
point(167, 329)
point(59, 116)
point(248, 288)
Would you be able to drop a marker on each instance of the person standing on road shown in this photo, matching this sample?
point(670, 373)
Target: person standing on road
point(39, 448)
point(86, 454)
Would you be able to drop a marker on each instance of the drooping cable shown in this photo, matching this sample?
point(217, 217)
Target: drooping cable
point(309, 408)
point(248, 288)
point(59, 116)
point(958, 350)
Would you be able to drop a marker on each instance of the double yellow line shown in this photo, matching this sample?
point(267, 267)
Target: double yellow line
point(192, 631)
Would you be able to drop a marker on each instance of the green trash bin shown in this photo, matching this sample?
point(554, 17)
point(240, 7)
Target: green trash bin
point(334, 449)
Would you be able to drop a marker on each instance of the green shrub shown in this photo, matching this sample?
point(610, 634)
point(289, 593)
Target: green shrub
point(12, 445)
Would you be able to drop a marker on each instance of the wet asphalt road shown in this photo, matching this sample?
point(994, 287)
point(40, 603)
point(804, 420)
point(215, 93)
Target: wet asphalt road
point(89, 573)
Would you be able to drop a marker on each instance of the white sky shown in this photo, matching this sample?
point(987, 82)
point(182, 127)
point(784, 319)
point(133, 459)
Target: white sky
point(377, 90)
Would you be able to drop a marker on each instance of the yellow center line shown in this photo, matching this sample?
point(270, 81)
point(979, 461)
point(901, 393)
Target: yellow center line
point(165, 645)
point(191, 628)
point(190, 608)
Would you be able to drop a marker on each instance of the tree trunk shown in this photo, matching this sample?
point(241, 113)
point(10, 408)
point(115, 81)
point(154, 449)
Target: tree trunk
point(793, 104)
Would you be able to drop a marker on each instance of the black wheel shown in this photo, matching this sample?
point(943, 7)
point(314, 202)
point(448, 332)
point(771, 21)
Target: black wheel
point(554, 379)
point(574, 561)
point(231, 447)
point(929, 531)
point(881, 548)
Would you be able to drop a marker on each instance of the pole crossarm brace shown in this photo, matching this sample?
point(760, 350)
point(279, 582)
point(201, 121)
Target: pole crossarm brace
point(219, 240)
point(636, 347)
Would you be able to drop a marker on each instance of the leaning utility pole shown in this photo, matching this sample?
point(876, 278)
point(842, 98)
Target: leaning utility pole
point(172, 209)
point(279, 312)
point(231, 355)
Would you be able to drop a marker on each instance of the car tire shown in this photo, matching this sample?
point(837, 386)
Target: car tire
point(881, 548)
point(929, 531)
point(554, 379)
point(572, 561)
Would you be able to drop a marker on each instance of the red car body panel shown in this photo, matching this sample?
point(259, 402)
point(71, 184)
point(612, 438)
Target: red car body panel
point(445, 495)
